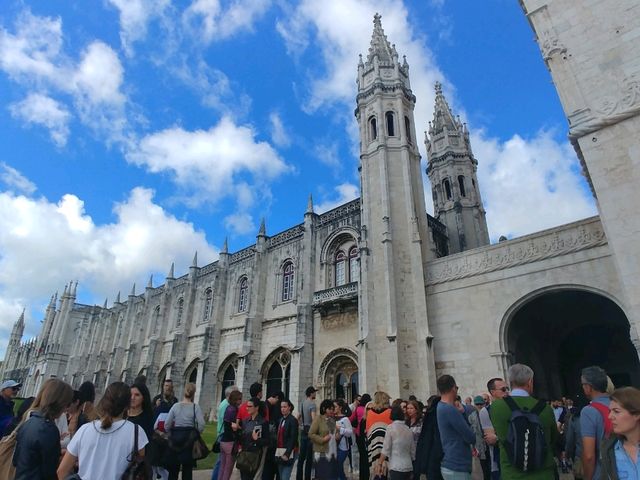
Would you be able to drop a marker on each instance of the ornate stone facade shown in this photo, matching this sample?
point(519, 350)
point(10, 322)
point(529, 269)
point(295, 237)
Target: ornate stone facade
point(357, 298)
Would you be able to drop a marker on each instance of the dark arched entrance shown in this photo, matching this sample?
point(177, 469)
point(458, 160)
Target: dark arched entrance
point(560, 332)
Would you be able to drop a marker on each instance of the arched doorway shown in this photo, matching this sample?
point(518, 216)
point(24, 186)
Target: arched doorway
point(559, 332)
point(277, 372)
point(339, 375)
point(227, 374)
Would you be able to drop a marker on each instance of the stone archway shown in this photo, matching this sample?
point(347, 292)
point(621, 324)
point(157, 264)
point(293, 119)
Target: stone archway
point(276, 372)
point(227, 374)
point(338, 375)
point(558, 332)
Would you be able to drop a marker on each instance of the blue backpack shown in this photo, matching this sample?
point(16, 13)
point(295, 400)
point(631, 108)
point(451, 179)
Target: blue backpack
point(525, 445)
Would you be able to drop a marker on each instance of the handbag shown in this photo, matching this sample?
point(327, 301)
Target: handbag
point(249, 462)
point(138, 468)
point(7, 447)
point(215, 448)
point(199, 449)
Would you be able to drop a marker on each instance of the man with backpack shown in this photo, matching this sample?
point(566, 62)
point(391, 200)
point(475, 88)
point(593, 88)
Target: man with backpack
point(594, 420)
point(526, 429)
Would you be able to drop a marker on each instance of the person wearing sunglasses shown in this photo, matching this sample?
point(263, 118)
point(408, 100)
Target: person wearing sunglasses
point(8, 392)
point(497, 388)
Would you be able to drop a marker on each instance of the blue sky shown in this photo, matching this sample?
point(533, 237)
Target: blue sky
point(135, 132)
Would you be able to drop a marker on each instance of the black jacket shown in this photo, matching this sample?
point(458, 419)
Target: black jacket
point(608, 458)
point(246, 439)
point(290, 434)
point(37, 450)
point(429, 451)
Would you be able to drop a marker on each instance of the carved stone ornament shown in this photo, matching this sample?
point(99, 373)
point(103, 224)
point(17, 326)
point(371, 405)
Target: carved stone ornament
point(551, 243)
point(550, 45)
point(346, 353)
point(286, 236)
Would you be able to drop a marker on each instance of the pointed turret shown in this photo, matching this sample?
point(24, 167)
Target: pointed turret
point(194, 263)
point(380, 46)
point(442, 115)
point(117, 298)
point(452, 171)
point(75, 289)
point(225, 246)
point(105, 303)
point(310, 205)
point(150, 283)
point(133, 290)
point(263, 229)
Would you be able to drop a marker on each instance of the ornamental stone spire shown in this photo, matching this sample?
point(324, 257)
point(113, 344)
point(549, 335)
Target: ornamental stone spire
point(380, 46)
point(442, 115)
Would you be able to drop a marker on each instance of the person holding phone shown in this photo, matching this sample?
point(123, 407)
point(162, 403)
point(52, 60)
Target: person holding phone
point(255, 435)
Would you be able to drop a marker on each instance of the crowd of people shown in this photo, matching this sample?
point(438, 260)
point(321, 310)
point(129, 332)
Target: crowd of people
point(502, 433)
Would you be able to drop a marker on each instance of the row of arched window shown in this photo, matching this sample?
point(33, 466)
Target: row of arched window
point(345, 266)
point(446, 186)
point(390, 123)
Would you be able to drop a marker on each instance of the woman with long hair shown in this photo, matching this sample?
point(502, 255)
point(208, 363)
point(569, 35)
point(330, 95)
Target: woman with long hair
point(37, 451)
point(183, 417)
point(323, 438)
point(344, 433)
point(620, 452)
point(230, 434)
point(378, 417)
point(413, 415)
point(103, 447)
point(140, 411)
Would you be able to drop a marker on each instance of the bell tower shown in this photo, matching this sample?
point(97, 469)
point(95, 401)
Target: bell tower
point(394, 330)
point(452, 171)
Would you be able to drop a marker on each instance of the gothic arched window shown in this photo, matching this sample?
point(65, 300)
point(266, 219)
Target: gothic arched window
point(447, 188)
point(463, 192)
point(208, 302)
point(354, 270)
point(407, 127)
point(180, 308)
point(390, 124)
point(287, 281)
point(374, 128)
point(243, 294)
point(228, 379)
point(340, 267)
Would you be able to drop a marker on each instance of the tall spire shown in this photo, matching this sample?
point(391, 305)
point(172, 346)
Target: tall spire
point(117, 297)
point(150, 284)
point(105, 303)
point(21, 318)
point(380, 46)
point(75, 289)
point(442, 115)
point(171, 270)
point(225, 246)
point(133, 290)
point(194, 263)
point(310, 205)
point(263, 229)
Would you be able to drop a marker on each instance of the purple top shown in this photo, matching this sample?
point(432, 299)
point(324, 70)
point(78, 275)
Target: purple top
point(230, 414)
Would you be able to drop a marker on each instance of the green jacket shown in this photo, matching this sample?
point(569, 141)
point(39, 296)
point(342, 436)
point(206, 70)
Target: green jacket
point(500, 415)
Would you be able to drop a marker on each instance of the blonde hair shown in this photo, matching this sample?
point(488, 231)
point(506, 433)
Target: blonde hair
point(190, 390)
point(380, 400)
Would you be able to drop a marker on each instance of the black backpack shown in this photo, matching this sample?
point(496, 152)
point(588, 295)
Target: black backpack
point(525, 445)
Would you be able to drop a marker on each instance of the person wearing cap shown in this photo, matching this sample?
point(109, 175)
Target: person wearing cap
point(8, 391)
point(480, 447)
point(305, 419)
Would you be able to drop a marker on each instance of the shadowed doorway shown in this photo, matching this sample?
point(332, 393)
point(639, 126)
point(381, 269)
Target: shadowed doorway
point(560, 332)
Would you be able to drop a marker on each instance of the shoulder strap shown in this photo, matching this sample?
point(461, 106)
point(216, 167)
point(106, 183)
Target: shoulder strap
point(511, 403)
point(539, 407)
point(195, 424)
point(135, 438)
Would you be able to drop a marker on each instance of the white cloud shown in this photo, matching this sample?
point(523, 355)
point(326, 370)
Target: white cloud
point(517, 177)
point(134, 18)
point(328, 154)
point(279, 136)
point(208, 163)
point(45, 244)
point(15, 181)
point(42, 110)
point(240, 223)
point(345, 192)
point(33, 57)
point(529, 185)
point(209, 20)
